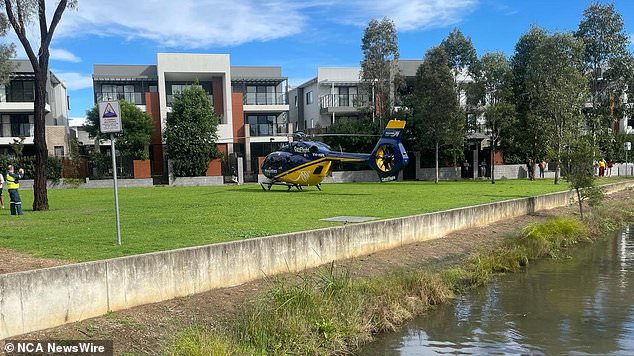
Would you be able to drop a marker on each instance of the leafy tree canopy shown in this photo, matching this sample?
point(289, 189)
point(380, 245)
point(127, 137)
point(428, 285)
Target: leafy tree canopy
point(137, 130)
point(191, 132)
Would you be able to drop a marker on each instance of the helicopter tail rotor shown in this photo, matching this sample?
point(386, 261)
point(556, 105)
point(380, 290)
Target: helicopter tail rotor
point(389, 155)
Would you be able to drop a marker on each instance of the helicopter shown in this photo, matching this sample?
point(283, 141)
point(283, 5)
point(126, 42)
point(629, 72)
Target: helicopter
point(307, 163)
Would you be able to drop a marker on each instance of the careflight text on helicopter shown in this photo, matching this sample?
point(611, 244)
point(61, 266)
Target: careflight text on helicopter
point(305, 163)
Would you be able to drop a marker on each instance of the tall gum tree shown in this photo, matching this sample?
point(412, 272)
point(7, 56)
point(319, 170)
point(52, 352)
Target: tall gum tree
point(494, 86)
point(379, 71)
point(21, 13)
point(550, 91)
point(437, 118)
point(606, 60)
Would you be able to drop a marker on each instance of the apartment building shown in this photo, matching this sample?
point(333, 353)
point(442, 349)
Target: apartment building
point(251, 101)
point(337, 93)
point(17, 111)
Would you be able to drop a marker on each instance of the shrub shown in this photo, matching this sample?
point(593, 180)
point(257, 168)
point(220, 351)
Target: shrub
point(28, 164)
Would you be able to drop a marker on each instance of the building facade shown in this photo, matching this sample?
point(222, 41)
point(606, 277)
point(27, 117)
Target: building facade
point(251, 101)
point(17, 112)
point(337, 93)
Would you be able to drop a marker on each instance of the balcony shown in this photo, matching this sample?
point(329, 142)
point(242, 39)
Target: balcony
point(266, 99)
point(269, 129)
point(343, 103)
point(170, 98)
point(16, 130)
point(134, 98)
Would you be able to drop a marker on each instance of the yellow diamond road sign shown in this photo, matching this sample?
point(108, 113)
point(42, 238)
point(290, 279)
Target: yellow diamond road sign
point(110, 117)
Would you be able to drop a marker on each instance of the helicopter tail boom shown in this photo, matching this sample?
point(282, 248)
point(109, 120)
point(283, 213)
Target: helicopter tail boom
point(389, 155)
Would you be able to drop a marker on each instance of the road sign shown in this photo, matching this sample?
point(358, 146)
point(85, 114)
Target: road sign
point(628, 146)
point(110, 122)
point(110, 117)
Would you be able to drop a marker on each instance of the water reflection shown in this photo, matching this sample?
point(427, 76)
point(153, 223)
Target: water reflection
point(584, 305)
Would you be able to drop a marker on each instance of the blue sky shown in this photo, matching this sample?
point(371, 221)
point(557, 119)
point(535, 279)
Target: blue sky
point(297, 35)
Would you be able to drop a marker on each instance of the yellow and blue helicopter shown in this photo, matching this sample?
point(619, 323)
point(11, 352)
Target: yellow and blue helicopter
point(304, 163)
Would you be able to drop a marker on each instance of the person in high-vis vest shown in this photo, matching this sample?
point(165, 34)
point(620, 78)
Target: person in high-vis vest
point(13, 185)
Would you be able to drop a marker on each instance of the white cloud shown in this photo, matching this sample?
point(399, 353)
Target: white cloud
point(186, 23)
point(409, 15)
point(74, 81)
point(205, 23)
point(64, 55)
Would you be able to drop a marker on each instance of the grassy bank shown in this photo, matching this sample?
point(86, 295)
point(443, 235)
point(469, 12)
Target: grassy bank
point(328, 312)
point(80, 225)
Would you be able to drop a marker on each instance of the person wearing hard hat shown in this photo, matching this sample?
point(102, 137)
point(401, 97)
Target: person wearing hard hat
point(13, 185)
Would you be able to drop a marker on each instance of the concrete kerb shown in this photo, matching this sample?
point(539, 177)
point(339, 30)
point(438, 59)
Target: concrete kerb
point(44, 298)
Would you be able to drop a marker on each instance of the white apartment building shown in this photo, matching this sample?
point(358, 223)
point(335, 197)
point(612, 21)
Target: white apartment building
point(336, 93)
point(251, 101)
point(17, 111)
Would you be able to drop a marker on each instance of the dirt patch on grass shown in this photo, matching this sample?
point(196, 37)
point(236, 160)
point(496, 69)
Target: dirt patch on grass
point(13, 261)
point(148, 329)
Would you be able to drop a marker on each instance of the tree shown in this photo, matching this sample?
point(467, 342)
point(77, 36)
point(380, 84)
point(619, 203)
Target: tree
point(378, 67)
point(549, 91)
point(7, 51)
point(494, 83)
point(191, 132)
point(605, 58)
point(528, 133)
point(437, 118)
point(462, 57)
point(558, 88)
point(580, 173)
point(137, 125)
point(353, 134)
point(20, 14)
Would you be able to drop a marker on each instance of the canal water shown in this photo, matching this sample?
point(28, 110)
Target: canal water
point(578, 306)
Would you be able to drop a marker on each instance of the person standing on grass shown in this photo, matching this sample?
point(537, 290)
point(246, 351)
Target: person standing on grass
point(13, 185)
point(610, 165)
point(602, 168)
point(542, 167)
point(1, 188)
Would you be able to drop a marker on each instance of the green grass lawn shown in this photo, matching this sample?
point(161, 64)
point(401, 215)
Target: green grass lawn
point(80, 224)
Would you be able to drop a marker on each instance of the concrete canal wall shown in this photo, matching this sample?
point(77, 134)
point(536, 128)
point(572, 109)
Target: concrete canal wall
point(45, 298)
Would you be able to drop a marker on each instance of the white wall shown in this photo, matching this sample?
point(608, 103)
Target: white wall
point(193, 63)
point(343, 74)
point(311, 111)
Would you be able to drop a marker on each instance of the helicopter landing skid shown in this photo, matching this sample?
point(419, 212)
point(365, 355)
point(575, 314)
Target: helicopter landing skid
point(267, 186)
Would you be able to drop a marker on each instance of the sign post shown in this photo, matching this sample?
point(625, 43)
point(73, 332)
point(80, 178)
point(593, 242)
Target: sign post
point(110, 122)
point(628, 147)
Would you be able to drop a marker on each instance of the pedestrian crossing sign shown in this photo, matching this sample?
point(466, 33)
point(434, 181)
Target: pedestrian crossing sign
point(110, 117)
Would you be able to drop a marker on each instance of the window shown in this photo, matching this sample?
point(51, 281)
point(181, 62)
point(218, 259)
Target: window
point(263, 95)
point(59, 151)
point(153, 89)
point(309, 98)
point(295, 100)
point(21, 91)
point(20, 126)
point(266, 124)
point(120, 92)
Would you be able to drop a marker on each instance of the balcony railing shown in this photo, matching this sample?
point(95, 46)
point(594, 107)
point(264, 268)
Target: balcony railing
point(170, 98)
point(16, 130)
point(268, 129)
point(134, 98)
point(343, 101)
point(265, 99)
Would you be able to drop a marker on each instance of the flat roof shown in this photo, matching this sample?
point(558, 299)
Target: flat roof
point(24, 66)
point(124, 71)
